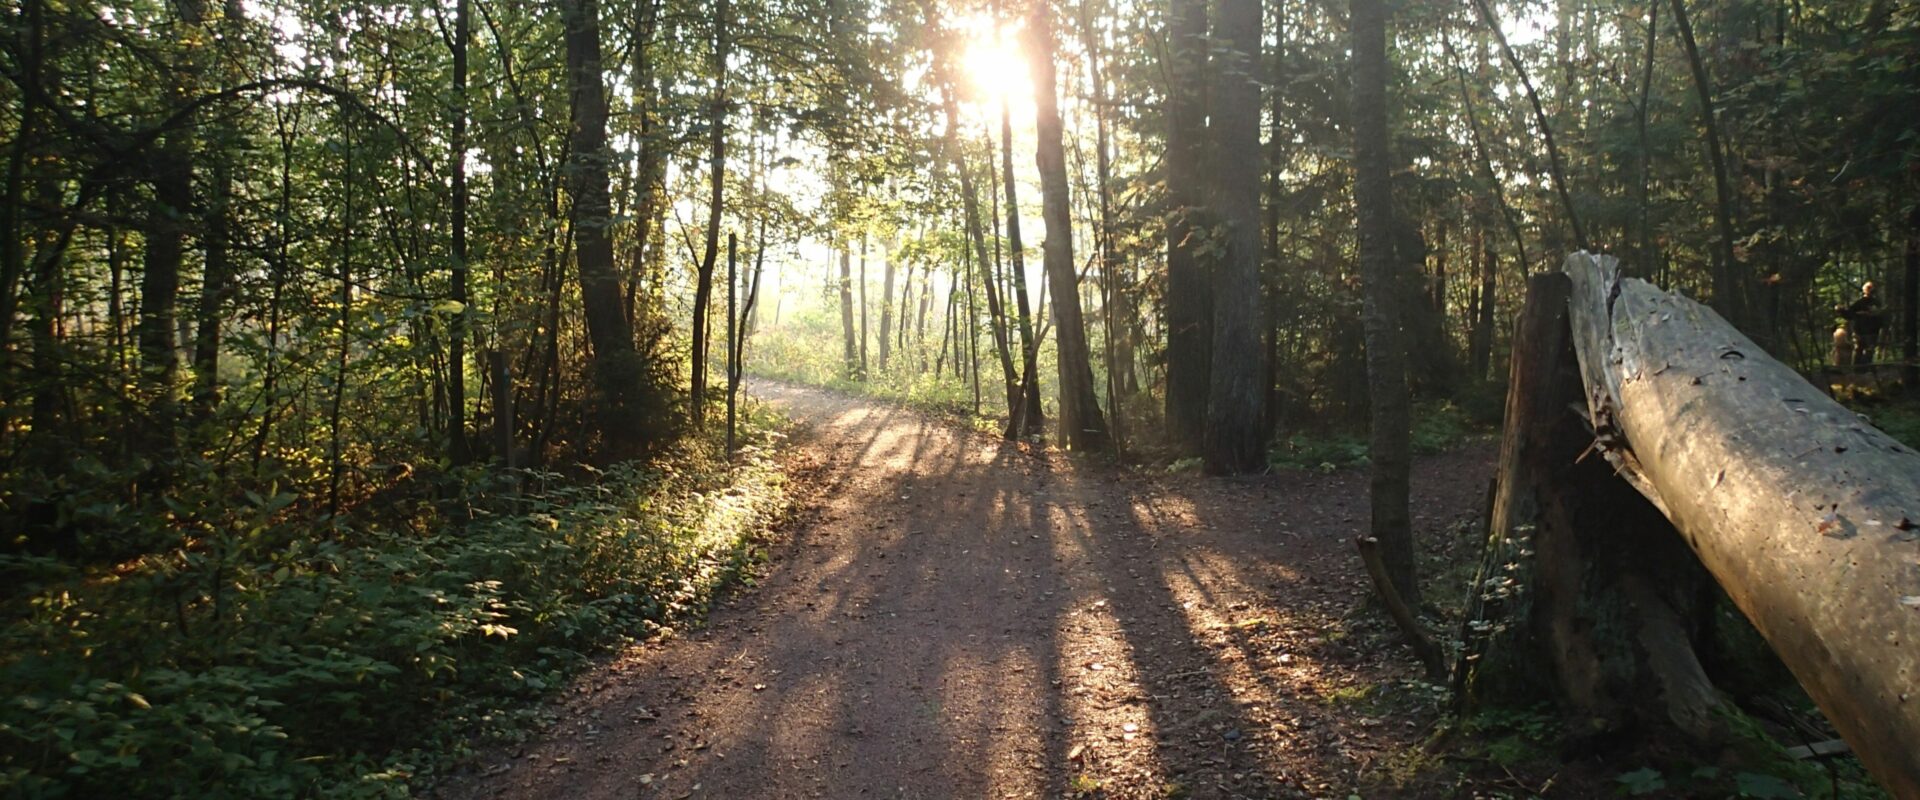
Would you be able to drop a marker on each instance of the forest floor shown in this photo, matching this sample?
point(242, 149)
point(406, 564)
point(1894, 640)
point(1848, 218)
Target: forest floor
point(952, 615)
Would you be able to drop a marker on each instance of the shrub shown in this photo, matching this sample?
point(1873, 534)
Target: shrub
point(269, 659)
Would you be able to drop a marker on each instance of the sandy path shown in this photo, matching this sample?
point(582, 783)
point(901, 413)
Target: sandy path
point(957, 618)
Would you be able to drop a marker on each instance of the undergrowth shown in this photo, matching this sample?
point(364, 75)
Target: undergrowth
point(1437, 426)
point(264, 658)
point(797, 358)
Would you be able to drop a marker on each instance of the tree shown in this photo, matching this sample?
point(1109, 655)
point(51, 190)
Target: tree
point(1189, 294)
point(1388, 442)
point(1081, 423)
point(1235, 435)
point(1027, 419)
point(616, 364)
point(457, 448)
point(717, 175)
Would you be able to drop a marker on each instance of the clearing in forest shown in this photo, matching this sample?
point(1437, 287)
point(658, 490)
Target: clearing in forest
point(956, 616)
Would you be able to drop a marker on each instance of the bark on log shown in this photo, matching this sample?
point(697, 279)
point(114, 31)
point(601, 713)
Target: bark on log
point(1581, 574)
point(1803, 512)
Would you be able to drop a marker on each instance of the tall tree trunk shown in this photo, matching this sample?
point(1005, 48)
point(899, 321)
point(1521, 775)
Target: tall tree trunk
point(650, 169)
point(1729, 297)
point(1081, 424)
point(1110, 289)
point(1482, 355)
point(733, 328)
point(167, 222)
point(25, 135)
point(1642, 187)
point(1388, 444)
point(616, 365)
point(1027, 418)
point(970, 203)
point(336, 461)
point(160, 278)
point(717, 174)
point(1275, 289)
point(1235, 438)
point(886, 309)
point(216, 266)
point(850, 358)
point(457, 446)
point(216, 250)
point(862, 375)
point(1189, 293)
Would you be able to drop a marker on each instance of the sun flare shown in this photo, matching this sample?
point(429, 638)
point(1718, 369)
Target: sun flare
point(996, 71)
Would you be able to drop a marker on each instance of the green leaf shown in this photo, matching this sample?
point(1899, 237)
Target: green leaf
point(1765, 787)
point(1639, 782)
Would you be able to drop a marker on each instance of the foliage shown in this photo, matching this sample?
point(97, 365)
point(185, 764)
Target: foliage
point(259, 661)
point(1900, 420)
point(797, 356)
point(1438, 426)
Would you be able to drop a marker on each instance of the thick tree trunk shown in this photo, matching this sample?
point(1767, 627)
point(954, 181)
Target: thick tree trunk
point(1389, 448)
point(1482, 355)
point(1189, 293)
point(1082, 426)
point(1794, 506)
point(1235, 439)
point(160, 281)
point(615, 363)
point(215, 268)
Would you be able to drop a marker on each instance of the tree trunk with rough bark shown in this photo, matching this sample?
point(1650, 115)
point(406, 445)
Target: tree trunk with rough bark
point(1389, 445)
point(1235, 435)
point(1189, 295)
point(1082, 426)
point(616, 368)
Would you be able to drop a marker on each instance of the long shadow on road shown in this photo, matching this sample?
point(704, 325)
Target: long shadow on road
point(959, 618)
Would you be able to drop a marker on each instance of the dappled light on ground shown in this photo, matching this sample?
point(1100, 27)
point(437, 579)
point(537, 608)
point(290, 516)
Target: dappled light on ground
point(957, 616)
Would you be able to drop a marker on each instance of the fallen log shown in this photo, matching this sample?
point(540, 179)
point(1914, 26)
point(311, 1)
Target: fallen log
point(1804, 514)
point(1585, 594)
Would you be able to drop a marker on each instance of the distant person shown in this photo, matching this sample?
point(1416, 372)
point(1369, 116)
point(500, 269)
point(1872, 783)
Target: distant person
point(1842, 355)
point(1866, 317)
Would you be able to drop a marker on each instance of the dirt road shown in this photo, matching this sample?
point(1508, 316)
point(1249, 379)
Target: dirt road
point(955, 617)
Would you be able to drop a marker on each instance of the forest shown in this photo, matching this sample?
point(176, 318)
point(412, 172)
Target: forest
point(1031, 398)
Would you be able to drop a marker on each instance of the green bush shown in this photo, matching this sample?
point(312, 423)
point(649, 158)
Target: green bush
point(267, 659)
